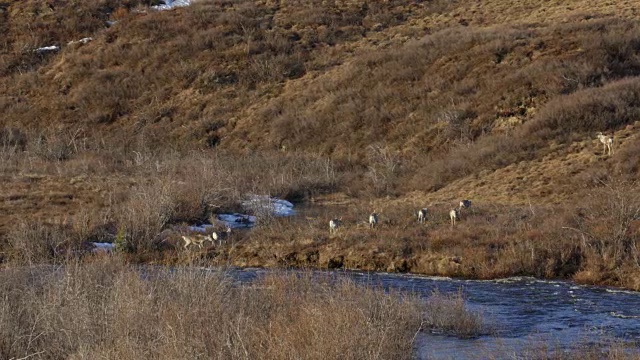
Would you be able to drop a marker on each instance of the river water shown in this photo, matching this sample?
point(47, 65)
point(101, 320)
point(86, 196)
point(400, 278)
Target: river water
point(524, 314)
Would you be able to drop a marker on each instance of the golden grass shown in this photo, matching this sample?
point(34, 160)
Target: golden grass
point(449, 314)
point(390, 106)
point(106, 309)
point(497, 237)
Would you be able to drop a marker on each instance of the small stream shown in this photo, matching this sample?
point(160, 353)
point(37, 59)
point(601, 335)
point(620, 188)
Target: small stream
point(523, 313)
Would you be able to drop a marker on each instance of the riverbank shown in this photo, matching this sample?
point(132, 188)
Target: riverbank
point(590, 246)
point(143, 204)
point(107, 309)
point(591, 242)
point(110, 309)
point(393, 107)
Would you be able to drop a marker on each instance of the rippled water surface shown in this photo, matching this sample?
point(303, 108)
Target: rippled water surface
point(523, 313)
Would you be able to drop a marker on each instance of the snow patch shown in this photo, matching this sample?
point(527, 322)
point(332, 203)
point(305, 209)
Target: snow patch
point(200, 228)
point(236, 220)
point(262, 203)
point(172, 4)
point(81, 41)
point(47, 49)
point(103, 247)
point(258, 204)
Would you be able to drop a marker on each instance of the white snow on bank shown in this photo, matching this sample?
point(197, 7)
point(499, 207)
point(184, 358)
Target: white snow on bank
point(103, 247)
point(236, 220)
point(81, 41)
point(47, 49)
point(172, 4)
point(200, 228)
point(259, 204)
point(277, 207)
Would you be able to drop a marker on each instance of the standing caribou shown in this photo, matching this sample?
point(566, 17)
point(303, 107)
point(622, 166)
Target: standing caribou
point(373, 220)
point(607, 143)
point(454, 215)
point(464, 204)
point(334, 224)
point(422, 215)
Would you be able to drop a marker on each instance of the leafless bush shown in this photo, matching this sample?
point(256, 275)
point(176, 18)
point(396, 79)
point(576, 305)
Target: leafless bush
point(448, 313)
point(608, 225)
point(83, 310)
point(34, 243)
point(13, 138)
point(58, 144)
point(145, 214)
point(13, 142)
point(628, 161)
point(291, 176)
point(605, 108)
point(384, 168)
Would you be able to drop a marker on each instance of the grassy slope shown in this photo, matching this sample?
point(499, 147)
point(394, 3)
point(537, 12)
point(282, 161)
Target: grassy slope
point(245, 75)
point(497, 102)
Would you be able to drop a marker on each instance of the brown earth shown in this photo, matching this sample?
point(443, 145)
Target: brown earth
point(352, 106)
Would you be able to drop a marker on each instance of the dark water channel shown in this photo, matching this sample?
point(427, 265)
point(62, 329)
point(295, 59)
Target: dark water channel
point(524, 314)
point(527, 317)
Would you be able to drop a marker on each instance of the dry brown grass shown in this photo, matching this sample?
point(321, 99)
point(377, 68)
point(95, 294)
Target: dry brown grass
point(593, 240)
point(448, 313)
point(424, 102)
point(315, 76)
point(436, 94)
point(37, 243)
point(493, 240)
point(110, 310)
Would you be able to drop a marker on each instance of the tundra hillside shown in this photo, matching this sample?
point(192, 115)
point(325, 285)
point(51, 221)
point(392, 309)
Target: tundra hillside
point(167, 118)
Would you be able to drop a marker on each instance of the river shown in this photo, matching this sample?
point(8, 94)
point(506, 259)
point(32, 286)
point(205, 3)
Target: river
point(524, 314)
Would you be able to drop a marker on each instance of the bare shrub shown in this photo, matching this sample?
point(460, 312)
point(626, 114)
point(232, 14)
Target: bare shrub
point(448, 313)
point(34, 243)
point(13, 138)
point(145, 214)
point(605, 108)
point(384, 168)
point(561, 120)
point(628, 160)
point(608, 229)
point(58, 144)
point(82, 310)
point(292, 176)
point(13, 142)
point(193, 187)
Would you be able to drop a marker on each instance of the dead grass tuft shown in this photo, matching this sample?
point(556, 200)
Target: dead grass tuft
point(448, 313)
point(37, 243)
point(82, 310)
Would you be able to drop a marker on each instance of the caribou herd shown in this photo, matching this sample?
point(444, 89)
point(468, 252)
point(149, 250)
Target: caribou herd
point(374, 218)
point(199, 239)
point(454, 216)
